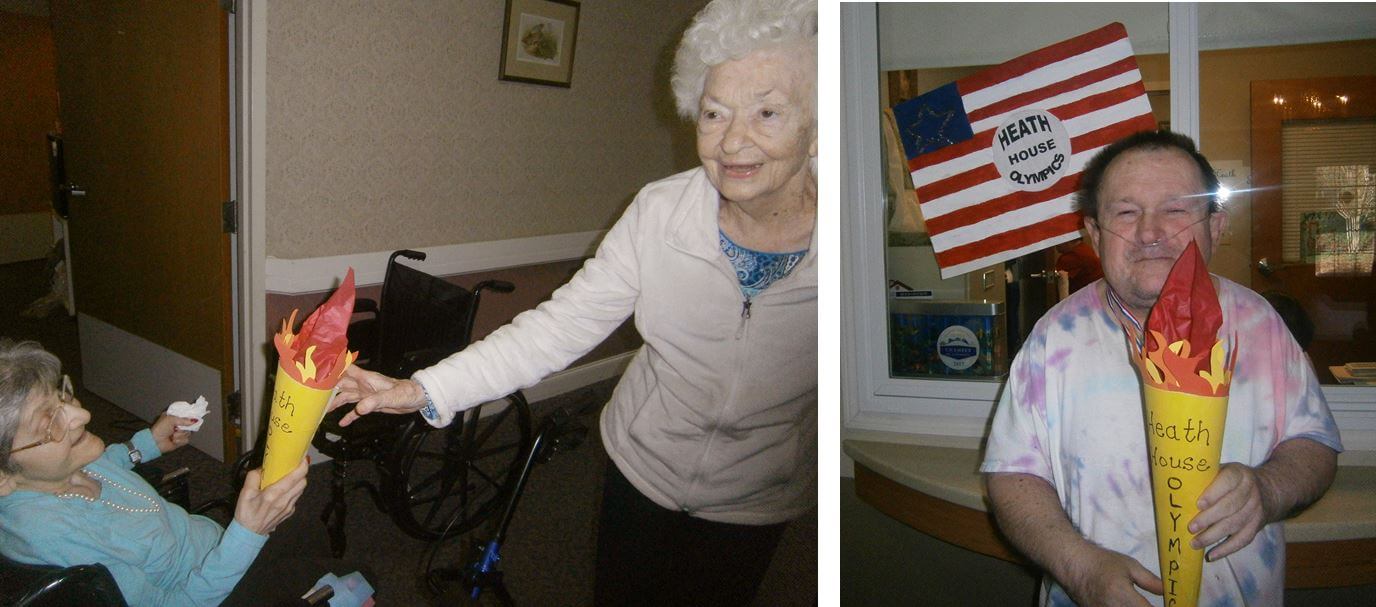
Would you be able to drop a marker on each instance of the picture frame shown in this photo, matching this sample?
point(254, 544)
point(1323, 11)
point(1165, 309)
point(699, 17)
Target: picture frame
point(538, 40)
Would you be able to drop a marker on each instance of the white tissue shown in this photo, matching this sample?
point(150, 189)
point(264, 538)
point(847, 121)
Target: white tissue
point(198, 411)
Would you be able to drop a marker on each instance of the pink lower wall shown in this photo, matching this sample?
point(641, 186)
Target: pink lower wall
point(534, 284)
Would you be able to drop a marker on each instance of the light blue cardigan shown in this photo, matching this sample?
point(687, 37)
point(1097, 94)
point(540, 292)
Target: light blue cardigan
point(162, 558)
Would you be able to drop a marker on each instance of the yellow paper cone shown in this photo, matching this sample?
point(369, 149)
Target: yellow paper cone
point(293, 417)
point(1184, 440)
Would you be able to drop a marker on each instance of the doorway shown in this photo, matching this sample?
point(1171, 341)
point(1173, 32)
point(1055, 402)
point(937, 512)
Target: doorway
point(145, 95)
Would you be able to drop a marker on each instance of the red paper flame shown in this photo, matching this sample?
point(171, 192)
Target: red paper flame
point(1188, 306)
point(1183, 352)
point(319, 353)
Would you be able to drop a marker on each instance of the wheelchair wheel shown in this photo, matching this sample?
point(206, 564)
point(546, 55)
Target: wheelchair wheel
point(460, 474)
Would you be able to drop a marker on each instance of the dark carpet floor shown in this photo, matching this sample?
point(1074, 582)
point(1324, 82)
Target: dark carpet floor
point(548, 558)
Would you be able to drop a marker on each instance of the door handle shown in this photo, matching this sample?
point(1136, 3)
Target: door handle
point(72, 189)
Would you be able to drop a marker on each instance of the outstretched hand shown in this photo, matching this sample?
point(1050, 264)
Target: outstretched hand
point(376, 392)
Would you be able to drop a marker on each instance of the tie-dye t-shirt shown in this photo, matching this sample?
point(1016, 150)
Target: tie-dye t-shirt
point(1071, 413)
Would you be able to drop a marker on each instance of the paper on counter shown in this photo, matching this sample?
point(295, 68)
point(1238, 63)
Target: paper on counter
point(197, 411)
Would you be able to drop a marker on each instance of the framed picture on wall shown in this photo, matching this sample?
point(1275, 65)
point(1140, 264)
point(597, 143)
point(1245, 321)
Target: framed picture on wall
point(538, 40)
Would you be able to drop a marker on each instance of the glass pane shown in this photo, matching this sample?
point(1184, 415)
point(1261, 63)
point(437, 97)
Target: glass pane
point(969, 325)
point(1298, 124)
point(1329, 202)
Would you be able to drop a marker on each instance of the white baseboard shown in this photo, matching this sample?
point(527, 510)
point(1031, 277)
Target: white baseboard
point(143, 378)
point(574, 378)
point(294, 276)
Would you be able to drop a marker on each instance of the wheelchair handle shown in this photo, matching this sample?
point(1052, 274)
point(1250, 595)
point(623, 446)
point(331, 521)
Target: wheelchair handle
point(500, 286)
point(407, 253)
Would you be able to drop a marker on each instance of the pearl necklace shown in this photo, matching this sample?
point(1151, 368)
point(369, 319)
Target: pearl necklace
point(153, 505)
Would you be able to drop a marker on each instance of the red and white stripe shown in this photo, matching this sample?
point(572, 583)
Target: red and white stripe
point(974, 216)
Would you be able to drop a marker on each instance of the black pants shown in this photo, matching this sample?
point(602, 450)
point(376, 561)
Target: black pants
point(647, 555)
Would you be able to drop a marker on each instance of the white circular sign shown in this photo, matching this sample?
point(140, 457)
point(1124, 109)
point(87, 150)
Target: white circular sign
point(1031, 150)
point(958, 347)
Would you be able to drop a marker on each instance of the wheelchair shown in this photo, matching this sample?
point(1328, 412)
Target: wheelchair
point(434, 483)
point(24, 585)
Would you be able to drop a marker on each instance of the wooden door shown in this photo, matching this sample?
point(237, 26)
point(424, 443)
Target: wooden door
point(1332, 101)
point(145, 115)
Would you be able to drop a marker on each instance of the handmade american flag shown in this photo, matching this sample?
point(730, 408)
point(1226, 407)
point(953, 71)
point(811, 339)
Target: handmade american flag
point(996, 156)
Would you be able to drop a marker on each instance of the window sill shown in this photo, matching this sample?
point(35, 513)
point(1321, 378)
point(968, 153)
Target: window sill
point(939, 491)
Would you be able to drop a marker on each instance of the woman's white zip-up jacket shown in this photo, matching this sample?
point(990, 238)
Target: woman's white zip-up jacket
point(716, 415)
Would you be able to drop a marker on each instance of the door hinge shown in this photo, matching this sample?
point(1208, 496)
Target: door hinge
point(229, 217)
point(230, 6)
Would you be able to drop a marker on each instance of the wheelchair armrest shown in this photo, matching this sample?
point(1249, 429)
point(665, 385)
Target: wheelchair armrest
point(88, 584)
point(500, 286)
point(173, 486)
point(223, 505)
point(420, 359)
point(247, 461)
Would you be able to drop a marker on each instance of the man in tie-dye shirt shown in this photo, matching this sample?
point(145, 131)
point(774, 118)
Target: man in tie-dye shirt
point(1067, 458)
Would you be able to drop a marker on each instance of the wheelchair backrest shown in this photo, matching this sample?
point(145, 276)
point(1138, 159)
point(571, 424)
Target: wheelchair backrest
point(422, 318)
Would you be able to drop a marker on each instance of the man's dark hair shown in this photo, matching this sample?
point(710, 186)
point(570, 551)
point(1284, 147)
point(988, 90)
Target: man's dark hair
point(1087, 198)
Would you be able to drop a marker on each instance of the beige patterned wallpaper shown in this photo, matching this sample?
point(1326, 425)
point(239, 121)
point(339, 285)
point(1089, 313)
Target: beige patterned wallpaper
point(388, 127)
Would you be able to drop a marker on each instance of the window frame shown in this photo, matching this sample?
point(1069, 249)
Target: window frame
point(948, 412)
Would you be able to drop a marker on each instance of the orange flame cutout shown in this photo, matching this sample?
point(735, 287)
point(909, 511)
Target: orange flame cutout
point(1172, 368)
point(307, 370)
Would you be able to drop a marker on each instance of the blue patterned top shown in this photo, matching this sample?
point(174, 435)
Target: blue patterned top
point(756, 270)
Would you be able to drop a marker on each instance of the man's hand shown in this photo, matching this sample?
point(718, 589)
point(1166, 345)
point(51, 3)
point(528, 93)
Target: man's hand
point(261, 511)
point(1105, 577)
point(376, 392)
point(1242, 500)
point(1030, 515)
point(166, 434)
point(1232, 508)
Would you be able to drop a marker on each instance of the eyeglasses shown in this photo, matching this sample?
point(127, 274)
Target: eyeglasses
point(57, 417)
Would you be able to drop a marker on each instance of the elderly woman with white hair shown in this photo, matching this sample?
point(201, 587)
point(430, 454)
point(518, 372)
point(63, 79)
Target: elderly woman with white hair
point(712, 430)
point(67, 499)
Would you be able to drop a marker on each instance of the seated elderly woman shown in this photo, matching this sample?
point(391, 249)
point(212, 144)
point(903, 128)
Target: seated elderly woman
point(67, 499)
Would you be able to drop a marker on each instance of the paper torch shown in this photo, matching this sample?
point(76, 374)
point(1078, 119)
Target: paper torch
point(309, 365)
point(1186, 370)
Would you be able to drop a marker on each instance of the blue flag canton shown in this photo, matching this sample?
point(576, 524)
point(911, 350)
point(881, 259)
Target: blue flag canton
point(932, 121)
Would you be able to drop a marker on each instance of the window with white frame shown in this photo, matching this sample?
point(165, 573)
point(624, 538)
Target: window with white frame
point(884, 255)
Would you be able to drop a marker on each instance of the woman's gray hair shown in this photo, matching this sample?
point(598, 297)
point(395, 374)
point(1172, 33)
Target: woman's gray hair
point(731, 29)
point(25, 367)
